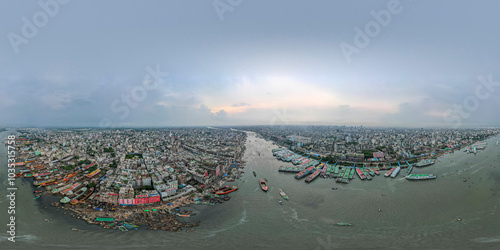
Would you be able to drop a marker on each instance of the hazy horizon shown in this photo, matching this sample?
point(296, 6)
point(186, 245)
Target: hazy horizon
point(178, 63)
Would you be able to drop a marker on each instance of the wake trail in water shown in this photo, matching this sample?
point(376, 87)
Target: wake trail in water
point(242, 221)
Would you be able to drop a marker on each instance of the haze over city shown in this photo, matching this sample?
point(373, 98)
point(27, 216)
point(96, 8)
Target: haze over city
point(261, 63)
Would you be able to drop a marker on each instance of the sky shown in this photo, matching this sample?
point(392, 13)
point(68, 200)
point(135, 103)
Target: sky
point(249, 62)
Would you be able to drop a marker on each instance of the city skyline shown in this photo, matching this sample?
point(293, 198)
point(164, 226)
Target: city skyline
point(293, 64)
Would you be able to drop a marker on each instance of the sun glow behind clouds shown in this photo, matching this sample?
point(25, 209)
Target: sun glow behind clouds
point(271, 93)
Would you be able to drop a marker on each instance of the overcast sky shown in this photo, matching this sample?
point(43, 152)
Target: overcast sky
point(231, 62)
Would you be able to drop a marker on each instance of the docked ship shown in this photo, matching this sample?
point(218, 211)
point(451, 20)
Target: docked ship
point(80, 192)
point(395, 172)
point(389, 172)
point(420, 177)
point(83, 197)
point(94, 173)
point(424, 163)
point(304, 172)
point(290, 169)
point(367, 174)
point(282, 193)
point(313, 176)
point(225, 190)
point(263, 185)
point(71, 188)
point(360, 174)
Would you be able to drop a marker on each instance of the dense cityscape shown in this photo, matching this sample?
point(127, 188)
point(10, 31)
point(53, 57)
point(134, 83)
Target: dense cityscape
point(166, 169)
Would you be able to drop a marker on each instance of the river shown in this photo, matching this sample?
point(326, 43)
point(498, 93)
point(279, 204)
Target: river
point(415, 214)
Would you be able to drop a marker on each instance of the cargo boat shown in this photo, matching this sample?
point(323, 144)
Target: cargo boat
point(420, 177)
point(360, 174)
point(395, 172)
point(225, 190)
point(369, 171)
point(79, 193)
point(282, 193)
point(376, 172)
point(94, 173)
point(424, 163)
point(323, 172)
point(71, 188)
point(343, 224)
point(351, 174)
point(303, 173)
point(263, 185)
point(389, 172)
point(336, 172)
point(313, 176)
point(57, 190)
point(65, 200)
point(85, 196)
point(290, 169)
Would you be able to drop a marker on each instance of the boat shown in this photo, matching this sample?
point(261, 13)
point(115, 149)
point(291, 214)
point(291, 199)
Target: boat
point(18, 174)
point(389, 172)
point(83, 197)
point(395, 172)
point(79, 193)
point(290, 169)
point(254, 174)
point(282, 193)
point(71, 188)
point(225, 190)
point(313, 176)
point(281, 202)
point(65, 200)
point(94, 173)
point(424, 163)
point(360, 174)
point(343, 224)
point(368, 176)
point(351, 174)
point(75, 229)
point(421, 177)
point(263, 185)
point(304, 172)
point(36, 197)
